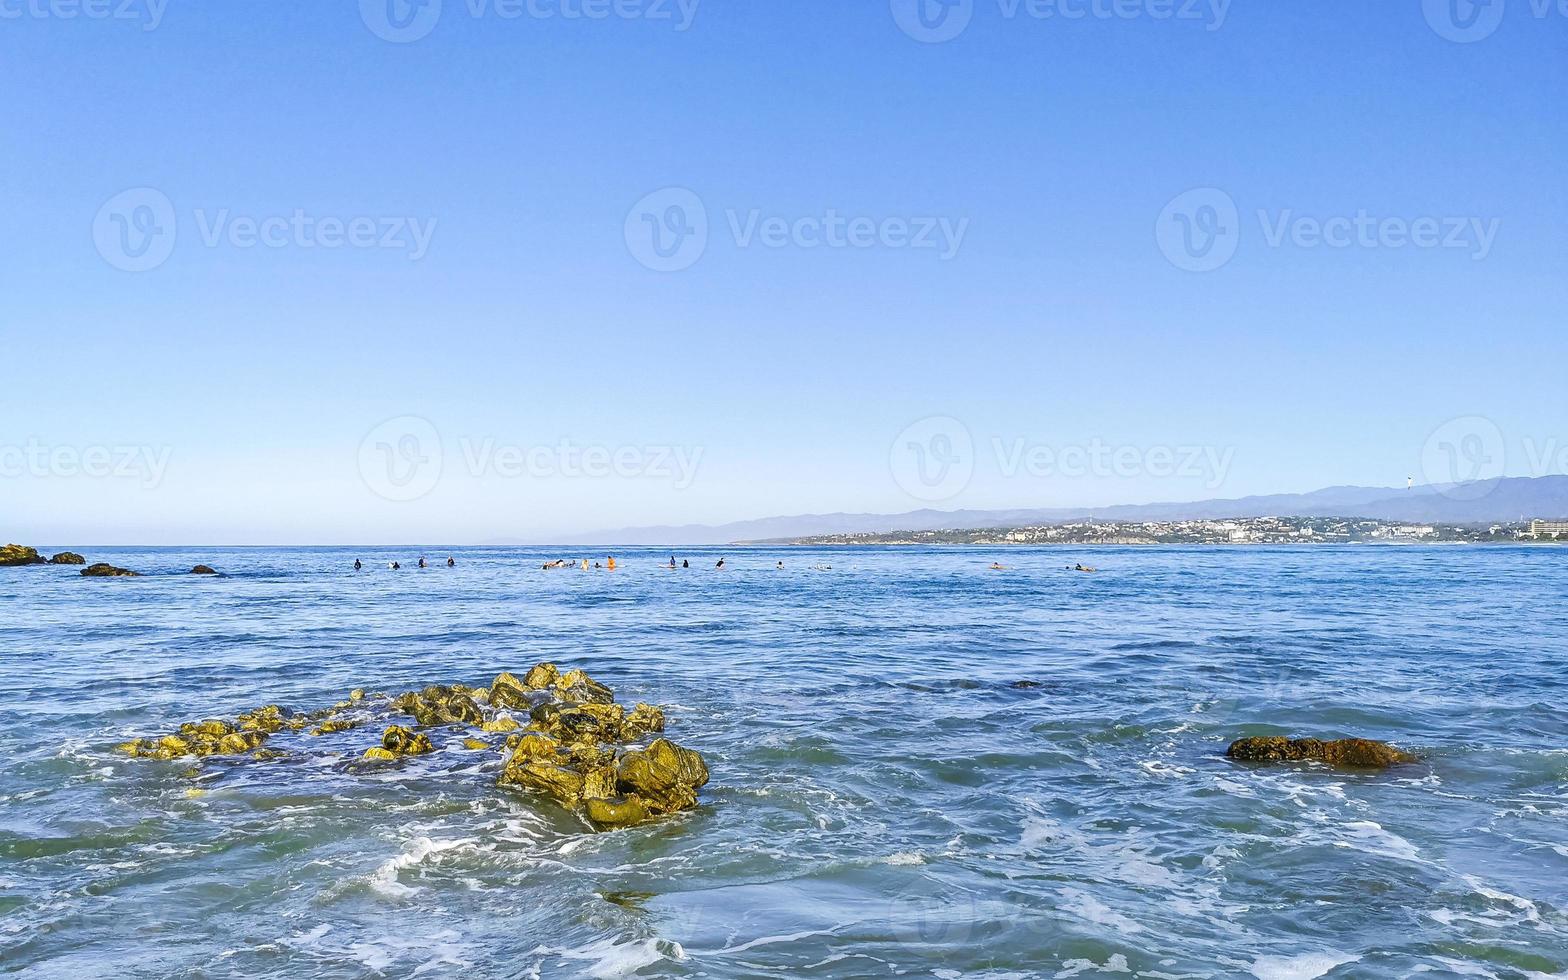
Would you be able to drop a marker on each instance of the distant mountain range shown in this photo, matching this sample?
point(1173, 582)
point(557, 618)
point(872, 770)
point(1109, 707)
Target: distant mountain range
point(1501, 501)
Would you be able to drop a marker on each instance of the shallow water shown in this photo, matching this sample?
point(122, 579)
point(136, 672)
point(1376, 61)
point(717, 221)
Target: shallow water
point(886, 797)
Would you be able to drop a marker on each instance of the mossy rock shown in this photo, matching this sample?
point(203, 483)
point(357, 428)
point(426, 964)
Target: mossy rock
point(68, 558)
point(15, 555)
point(204, 570)
point(105, 570)
point(1356, 753)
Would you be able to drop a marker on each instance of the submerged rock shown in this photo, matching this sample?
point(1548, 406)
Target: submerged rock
point(16, 555)
point(1352, 752)
point(68, 558)
point(204, 570)
point(105, 570)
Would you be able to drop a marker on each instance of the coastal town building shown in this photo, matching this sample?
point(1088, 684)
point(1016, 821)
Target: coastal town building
point(1542, 529)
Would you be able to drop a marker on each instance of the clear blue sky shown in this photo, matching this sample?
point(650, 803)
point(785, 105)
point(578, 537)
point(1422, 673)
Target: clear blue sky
point(253, 375)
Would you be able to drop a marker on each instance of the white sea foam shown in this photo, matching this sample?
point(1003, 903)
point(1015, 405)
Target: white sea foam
point(384, 878)
point(1116, 963)
point(607, 959)
point(1305, 966)
point(904, 857)
point(1371, 838)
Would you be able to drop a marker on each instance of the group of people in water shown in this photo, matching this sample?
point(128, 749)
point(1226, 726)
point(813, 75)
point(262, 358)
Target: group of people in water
point(397, 565)
point(609, 565)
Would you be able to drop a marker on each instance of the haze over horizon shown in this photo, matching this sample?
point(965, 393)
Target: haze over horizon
point(557, 275)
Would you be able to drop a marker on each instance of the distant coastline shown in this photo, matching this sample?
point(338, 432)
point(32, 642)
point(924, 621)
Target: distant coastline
point(1232, 531)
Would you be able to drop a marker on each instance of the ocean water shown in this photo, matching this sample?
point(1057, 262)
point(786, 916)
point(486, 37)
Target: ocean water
point(920, 766)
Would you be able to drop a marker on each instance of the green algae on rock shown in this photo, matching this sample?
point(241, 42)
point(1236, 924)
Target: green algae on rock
point(105, 570)
point(578, 747)
point(1358, 753)
point(68, 558)
point(17, 555)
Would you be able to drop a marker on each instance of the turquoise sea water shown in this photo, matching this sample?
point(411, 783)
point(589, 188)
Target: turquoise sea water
point(887, 797)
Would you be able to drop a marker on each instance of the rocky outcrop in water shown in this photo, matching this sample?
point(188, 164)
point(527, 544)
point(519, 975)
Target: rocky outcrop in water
point(15, 555)
point(1357, 753)
point(204, 570)
point(68, 558)
point(565, 738)
point(105, 570)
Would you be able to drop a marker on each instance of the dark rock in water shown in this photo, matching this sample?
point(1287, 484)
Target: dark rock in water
point(1024, 685)
point(204, 570)
point(1352, 752)
point(68, 558)
point(105, 570)
point(16, 555)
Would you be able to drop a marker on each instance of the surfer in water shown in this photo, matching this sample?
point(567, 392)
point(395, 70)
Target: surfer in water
point(357, 565)
point(720, 564)
point(450, 563)
point(672, 561)
point(422, 562)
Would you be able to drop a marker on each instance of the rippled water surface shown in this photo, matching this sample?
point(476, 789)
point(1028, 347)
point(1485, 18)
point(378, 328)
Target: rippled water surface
point(920, 767)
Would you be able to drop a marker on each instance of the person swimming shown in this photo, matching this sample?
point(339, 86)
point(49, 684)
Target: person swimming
point(422, 562)
point(672, 561)
point(584, 565)
point(450, 563)
point(781, 566)
point(610, 563)
point(997, 566)
point(394, 566)
point(685, 563)
point(357, 565)
point(720, 564)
